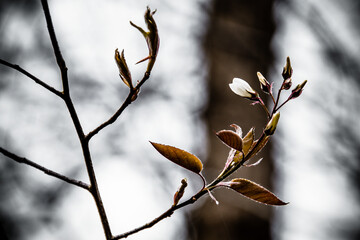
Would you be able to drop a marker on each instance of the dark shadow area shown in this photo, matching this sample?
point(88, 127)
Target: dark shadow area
point(236, 44)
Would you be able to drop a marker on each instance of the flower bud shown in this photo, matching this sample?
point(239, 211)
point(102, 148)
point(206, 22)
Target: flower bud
point(125, 74)
point(287, 71)
point(264, 84)
point(271, 126)
point(286, 84)
point(243, 89)
point(296, 92)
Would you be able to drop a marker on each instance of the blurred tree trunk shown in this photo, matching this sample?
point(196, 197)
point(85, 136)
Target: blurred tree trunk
point(237, 44)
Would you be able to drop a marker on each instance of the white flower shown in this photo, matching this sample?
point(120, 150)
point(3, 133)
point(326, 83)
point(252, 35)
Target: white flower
point(243, 89)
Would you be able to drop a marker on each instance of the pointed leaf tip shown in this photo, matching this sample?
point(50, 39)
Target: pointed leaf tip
point(231, 139)
point(253, 191)
point(180, 157)
point(248, 140)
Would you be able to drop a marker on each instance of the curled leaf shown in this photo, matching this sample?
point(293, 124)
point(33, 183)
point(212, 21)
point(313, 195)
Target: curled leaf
point(253, 191)
point(180, 157)
point(254, 164)
point(248, 140)
point(151, 37)
point(231, 139)
point(237, 129)
point(125, 74)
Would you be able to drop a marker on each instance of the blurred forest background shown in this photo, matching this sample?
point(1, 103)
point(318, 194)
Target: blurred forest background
point(313, 161)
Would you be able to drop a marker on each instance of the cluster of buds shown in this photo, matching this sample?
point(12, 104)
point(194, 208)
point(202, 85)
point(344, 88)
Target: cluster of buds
point(243, 89)
point(242, 148)
point(240, 87)
point(152, 40)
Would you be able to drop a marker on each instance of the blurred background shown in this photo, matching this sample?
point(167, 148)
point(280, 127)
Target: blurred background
point(311, 162)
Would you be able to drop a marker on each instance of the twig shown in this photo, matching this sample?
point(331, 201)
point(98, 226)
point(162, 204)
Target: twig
point(126, 103)
point(44, 169)
point(164, 215)
point(282, 104)
point(59, 58)
point(264, 107)
point(277, 100)
point(26, 73)
point(94, 190)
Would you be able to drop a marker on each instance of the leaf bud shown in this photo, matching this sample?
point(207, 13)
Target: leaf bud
point(179, 193)
point(125, 74)
point(286, 84)
point(287, 71)
point(151, 37)
point(271, 126)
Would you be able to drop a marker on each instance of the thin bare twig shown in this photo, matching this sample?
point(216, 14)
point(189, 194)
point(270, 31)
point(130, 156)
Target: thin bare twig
point(126, 103)
point(44, 169)
point(164, 215)
point(59, 58)
point(94, 190)
point(26, 73)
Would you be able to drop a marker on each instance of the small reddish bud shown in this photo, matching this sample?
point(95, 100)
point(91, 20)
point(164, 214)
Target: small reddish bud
point(264, 84)
point(286, 84)
point(287, 71)
point(296, 92)
point(179, 193)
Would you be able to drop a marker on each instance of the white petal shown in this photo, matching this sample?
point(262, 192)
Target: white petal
point(241, 88)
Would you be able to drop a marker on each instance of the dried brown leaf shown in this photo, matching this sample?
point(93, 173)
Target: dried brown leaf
point(180, 157)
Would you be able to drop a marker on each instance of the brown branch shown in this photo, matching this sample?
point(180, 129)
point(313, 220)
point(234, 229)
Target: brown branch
point(44, 169)
point(94, 190)
point(59, 58)
point(129, 99)
point(26, 73)
point(164, 215)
